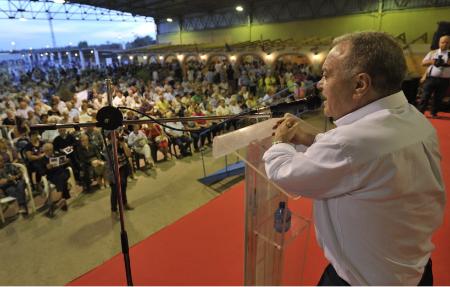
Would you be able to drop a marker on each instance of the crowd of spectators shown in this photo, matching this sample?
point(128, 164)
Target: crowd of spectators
point(45, 95)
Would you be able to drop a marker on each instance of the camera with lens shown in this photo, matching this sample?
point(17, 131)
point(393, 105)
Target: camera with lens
point(439, 62)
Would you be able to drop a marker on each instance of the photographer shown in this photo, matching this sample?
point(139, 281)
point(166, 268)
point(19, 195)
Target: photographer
point(438, 76)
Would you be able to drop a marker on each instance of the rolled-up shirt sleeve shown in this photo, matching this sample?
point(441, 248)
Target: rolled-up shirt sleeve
point(322, 171)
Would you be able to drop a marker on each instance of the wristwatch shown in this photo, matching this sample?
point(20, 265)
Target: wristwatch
point(277, 142)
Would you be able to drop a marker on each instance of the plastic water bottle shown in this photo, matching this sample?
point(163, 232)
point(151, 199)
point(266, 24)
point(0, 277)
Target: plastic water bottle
point(282, 213)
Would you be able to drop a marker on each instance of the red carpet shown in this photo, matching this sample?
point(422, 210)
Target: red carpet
point(206, 247)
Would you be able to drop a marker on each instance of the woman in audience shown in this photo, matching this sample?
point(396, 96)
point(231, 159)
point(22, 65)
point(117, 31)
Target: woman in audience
point(8, 154)
point(34, 157)
point(55, 167)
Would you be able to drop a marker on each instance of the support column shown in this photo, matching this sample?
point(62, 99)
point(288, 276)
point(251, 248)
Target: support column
point(69, 56)
point(60, 59)
point(82, 63)
point(97, 58)
point(52, 58)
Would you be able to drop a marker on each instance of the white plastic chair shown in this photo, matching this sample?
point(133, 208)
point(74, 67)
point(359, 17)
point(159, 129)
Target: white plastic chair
point(48, 187)
point(6, 201)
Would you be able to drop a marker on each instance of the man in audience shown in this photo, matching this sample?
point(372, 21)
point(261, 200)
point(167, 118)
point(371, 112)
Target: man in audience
point(10, 119)
point(23, 109)
point(91, 163)
point(139, 143)
point(12, 184)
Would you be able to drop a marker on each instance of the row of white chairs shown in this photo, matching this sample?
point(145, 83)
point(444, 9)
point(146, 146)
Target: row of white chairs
point(9, 206)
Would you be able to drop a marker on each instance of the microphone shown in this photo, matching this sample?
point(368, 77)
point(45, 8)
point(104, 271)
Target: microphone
point(296, 107)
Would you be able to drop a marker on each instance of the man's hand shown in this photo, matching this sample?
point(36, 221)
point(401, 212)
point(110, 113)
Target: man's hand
point(294, 130)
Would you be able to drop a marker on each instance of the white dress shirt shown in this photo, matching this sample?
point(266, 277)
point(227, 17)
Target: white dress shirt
point(438, 72)
point(378, 190)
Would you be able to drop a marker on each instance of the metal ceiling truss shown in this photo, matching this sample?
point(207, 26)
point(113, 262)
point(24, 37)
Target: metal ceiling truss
point(45, 10)
point(291, 10)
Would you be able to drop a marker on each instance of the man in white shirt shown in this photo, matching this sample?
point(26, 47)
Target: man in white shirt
point(438, 76)
point(23, 109)
point(119, 100)
point(375, 179)
point(139, 143)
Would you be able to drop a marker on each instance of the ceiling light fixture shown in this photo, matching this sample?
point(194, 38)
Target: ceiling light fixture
point(239, 8)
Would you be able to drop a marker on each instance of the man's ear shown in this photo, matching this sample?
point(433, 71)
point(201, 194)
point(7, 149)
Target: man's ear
point(363, 85)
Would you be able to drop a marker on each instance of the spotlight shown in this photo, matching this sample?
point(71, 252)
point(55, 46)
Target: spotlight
point(239, 8)
point(169, 20)
point(119, 57)
point(131, 57)
point(145, 57)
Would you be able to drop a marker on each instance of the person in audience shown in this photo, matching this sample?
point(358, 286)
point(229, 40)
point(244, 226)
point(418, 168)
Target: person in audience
point(178, 137)
point(58, 105)
point(34, 157)
point(8, 154)
point(91, 163)
point(158, 140)
point(12, 184)
point(10, 119)
point(66, 143)
point(23, 109)
point(95, 137)
point(376, 178)
point(55, 167)
point(138, 142)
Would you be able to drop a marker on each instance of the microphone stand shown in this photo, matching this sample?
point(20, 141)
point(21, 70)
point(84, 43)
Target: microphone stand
point(118, 186)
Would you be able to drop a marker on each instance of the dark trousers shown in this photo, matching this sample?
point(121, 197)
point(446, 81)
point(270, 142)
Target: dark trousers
point(87, 175)
point(59, 178)
point(331, 278)
point(114, 192)
point(183, 143)
point(16, 190)
point(439, 87)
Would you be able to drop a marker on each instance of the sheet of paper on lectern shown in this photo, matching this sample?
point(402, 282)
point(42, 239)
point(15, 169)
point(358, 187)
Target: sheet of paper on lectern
point(230, 142)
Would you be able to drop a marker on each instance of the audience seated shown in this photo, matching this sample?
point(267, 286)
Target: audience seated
point(91, 163)
point(29, 97)
point(12, 184)
point(138, 142)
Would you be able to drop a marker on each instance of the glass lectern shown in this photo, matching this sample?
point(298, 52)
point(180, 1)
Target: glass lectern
point(266, 246)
